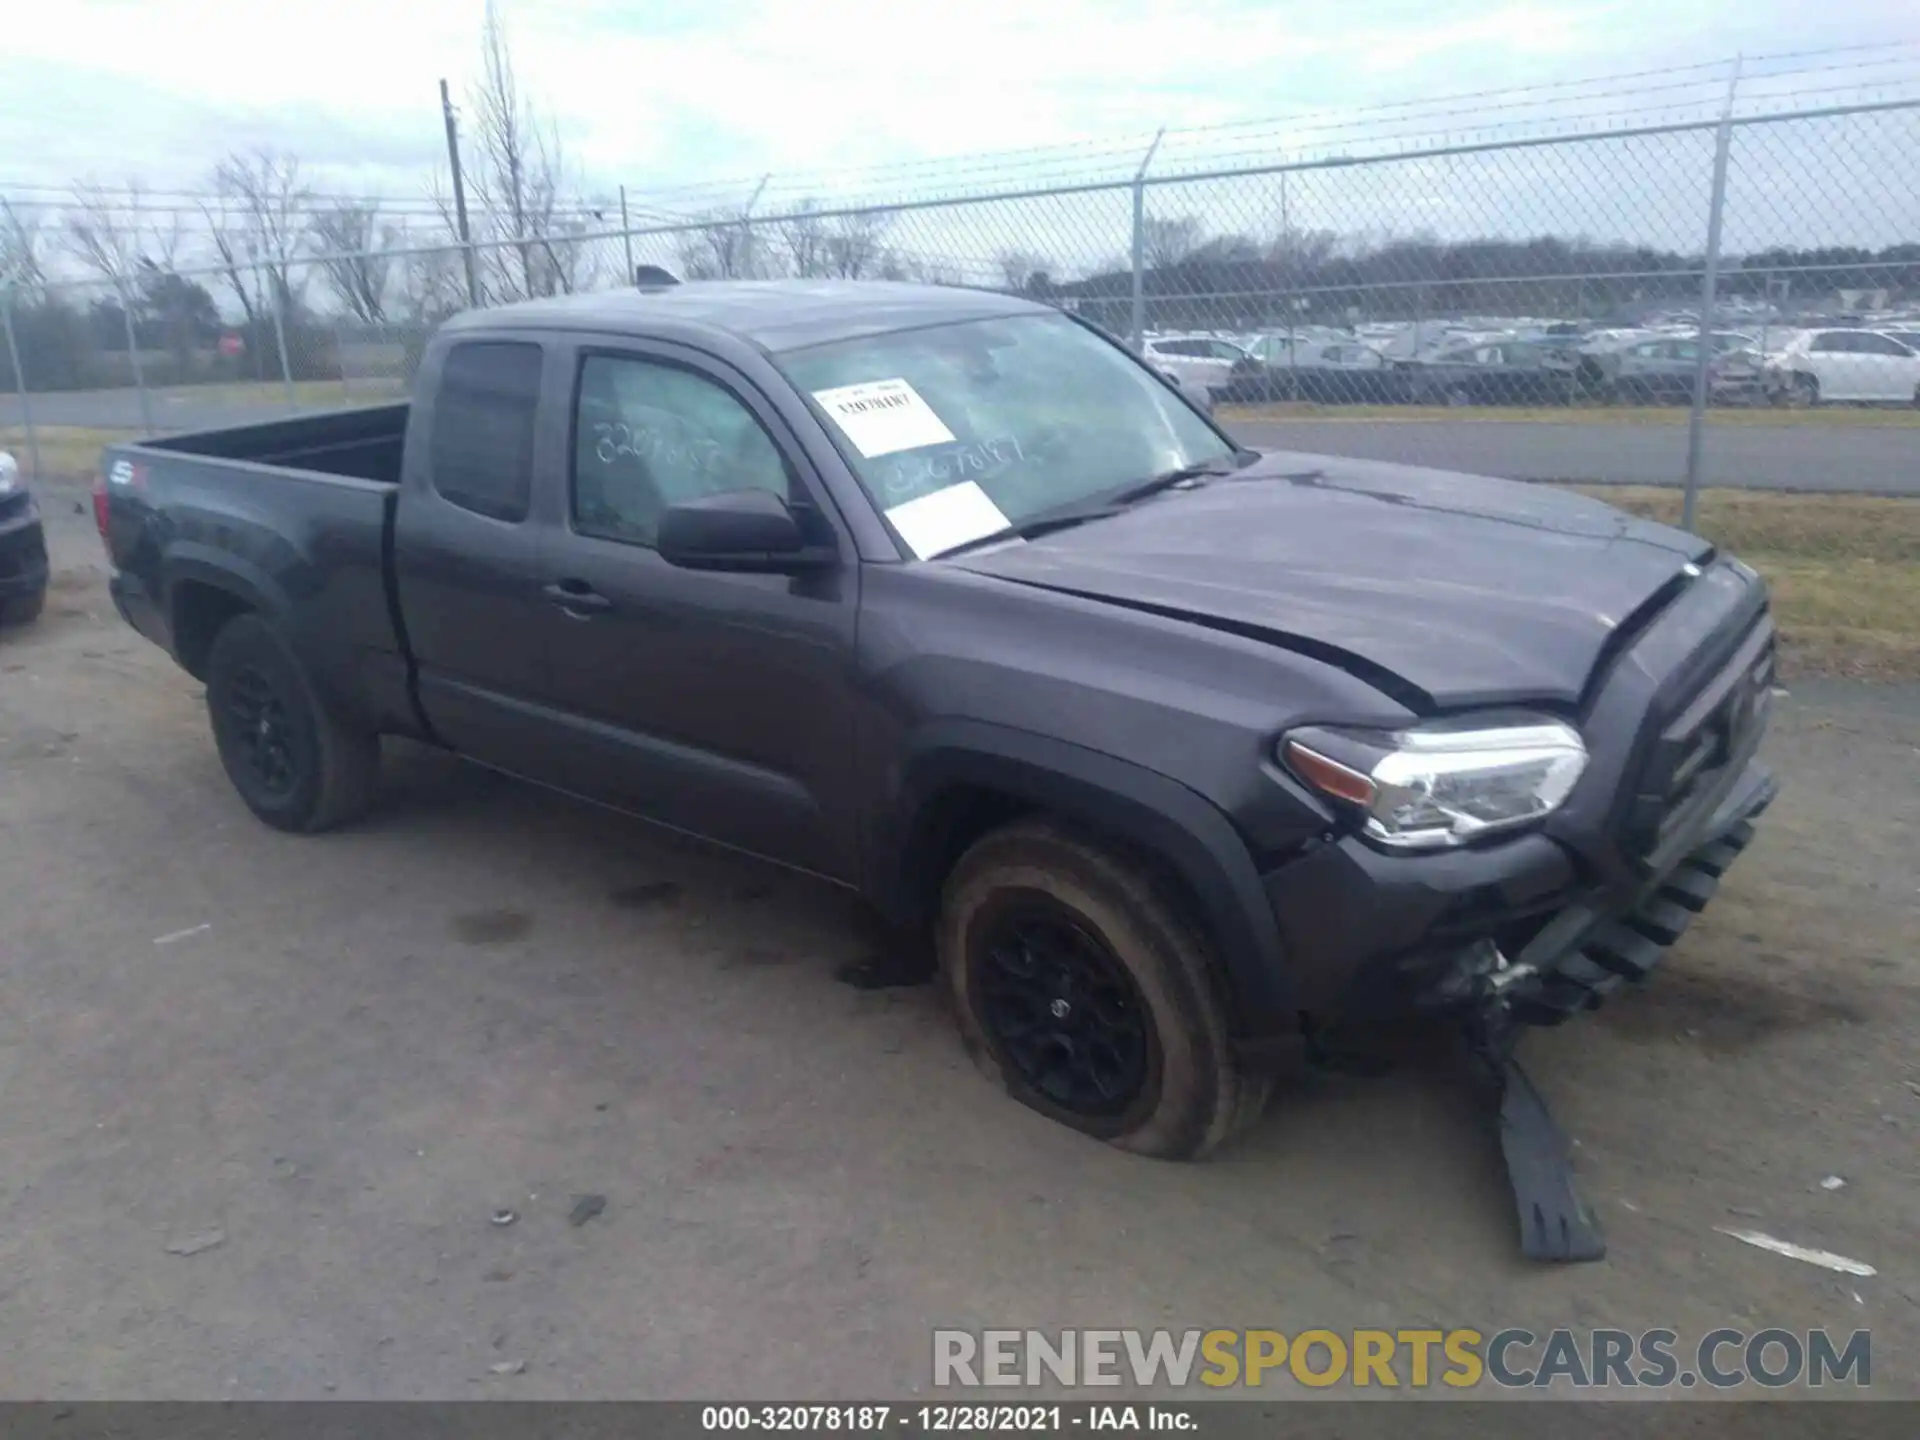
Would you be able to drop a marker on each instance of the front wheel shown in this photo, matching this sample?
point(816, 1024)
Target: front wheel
point(1803, 393)
point(297, 766)
point(1089, 997)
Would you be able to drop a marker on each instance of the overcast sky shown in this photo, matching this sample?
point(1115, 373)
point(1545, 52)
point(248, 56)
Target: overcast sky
point(659, 93)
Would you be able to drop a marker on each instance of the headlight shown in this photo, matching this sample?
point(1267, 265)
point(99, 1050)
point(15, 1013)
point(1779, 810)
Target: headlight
point(9, 473)
point(1443, 783)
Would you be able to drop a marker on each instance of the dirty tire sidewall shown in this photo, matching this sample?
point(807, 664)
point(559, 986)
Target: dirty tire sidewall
point(1193, 1097)
point(247, 643)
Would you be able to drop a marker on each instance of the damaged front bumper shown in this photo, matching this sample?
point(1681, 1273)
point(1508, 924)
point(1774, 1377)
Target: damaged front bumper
point(1588, 950)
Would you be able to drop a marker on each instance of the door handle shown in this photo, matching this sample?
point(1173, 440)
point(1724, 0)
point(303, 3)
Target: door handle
point(576, 596)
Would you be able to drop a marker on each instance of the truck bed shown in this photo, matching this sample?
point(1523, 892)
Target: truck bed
point(290, 517)
point(363, 444)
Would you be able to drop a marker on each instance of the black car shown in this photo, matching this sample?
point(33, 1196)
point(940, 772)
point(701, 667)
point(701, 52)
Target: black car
point(23, 548)
point(1178, 753)
point(1494, 372)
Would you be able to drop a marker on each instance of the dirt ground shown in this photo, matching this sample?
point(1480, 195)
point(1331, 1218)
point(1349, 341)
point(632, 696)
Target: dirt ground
point(328, 1061)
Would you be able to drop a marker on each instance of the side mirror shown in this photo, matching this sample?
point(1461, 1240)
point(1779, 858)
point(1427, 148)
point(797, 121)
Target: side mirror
point(751, 531)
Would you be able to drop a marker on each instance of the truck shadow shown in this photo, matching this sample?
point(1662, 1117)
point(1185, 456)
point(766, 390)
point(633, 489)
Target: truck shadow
point(1346, 1150)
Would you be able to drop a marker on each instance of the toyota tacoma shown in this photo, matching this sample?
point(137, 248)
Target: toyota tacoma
point(1180, 753)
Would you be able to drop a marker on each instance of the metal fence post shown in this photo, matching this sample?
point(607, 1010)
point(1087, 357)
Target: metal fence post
point(280, 335)
point(1137, 325)
point(340, 362)
point(133, 359)
point(20, 385)
point(626, 235)
point(1709, 282)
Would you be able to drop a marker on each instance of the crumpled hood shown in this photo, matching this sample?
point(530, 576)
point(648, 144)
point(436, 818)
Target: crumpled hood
point(1472, 590)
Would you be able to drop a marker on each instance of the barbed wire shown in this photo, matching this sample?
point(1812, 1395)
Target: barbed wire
point(1303, 136)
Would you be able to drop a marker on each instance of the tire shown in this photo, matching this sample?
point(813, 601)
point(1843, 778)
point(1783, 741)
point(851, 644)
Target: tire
point(1803, 393)
point(1189, 1096)
point(1458, 395)
point(319, 773)
point(23, 612)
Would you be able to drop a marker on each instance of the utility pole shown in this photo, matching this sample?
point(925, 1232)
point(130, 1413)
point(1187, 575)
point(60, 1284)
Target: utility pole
point(459, 195)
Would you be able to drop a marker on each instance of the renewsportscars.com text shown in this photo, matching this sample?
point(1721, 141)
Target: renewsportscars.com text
point(1461, 1358)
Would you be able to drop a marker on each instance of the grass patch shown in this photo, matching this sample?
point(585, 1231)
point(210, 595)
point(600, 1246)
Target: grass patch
point(66, 451)
point(1845, 570)
point(1827, 415)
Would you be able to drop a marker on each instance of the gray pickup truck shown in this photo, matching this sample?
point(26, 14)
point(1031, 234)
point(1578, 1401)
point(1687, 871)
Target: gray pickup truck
point(1180, 753)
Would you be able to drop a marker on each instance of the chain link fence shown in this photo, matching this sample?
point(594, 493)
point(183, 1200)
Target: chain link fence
point(1606, 297)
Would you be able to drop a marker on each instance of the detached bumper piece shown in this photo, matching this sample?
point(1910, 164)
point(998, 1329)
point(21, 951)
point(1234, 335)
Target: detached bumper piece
point(1609, 952)
point(1574, 963)
point(1555, 1224)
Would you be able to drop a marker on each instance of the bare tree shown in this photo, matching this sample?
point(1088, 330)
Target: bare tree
point(1018, 269)
point(351, 242)
point(1167, 240)
point(264, 219)
point(725, 247)
point(432, 283)
point(1304, 249)
point(227, 231)
point(804, 234)
point(516, 182)
point(857, 244)
point(21, 243)
point(103, 231)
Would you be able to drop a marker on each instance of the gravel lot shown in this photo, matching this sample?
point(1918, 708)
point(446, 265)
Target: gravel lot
point(351, 1050)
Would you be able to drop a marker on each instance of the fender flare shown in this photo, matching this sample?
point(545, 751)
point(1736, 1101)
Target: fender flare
point(204, 565)
point(1176, 825)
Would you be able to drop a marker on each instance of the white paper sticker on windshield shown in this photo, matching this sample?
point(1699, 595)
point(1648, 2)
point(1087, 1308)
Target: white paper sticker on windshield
point(882, 416)
point(946, 518)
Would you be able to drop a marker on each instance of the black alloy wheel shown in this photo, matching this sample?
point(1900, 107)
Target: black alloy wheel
point(1059, 1008)
point(262, 732)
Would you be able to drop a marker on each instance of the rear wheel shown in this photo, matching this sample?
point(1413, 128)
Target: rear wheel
point(297, 766)
point(1089, 997)
point(1459, 395)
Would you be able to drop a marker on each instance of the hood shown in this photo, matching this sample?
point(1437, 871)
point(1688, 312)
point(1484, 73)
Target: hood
point(1470, 591)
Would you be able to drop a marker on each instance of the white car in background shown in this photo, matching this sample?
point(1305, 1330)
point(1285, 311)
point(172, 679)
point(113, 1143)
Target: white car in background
point(1844, 365)
point(1199, 359)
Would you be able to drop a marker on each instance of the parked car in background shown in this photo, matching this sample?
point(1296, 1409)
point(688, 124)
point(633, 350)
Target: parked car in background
point(1505, 372)
point(1737, 377)
point(1652, 368)
point(1330, 368)
point(1203, 359)
point(1848, 365)
point(23, 548)
point(1198, 395)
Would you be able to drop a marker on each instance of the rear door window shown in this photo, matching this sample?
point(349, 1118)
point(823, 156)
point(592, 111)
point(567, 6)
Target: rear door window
point(480, 448)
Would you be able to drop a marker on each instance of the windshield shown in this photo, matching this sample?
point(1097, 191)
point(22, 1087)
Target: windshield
point(1035, 411)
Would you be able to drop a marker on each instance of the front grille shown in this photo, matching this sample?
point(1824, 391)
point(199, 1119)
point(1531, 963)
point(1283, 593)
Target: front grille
point(15, 505)
point(1716, 729)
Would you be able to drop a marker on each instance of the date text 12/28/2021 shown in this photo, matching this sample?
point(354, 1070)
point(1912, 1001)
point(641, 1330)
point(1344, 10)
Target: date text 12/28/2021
point(945, 1419)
